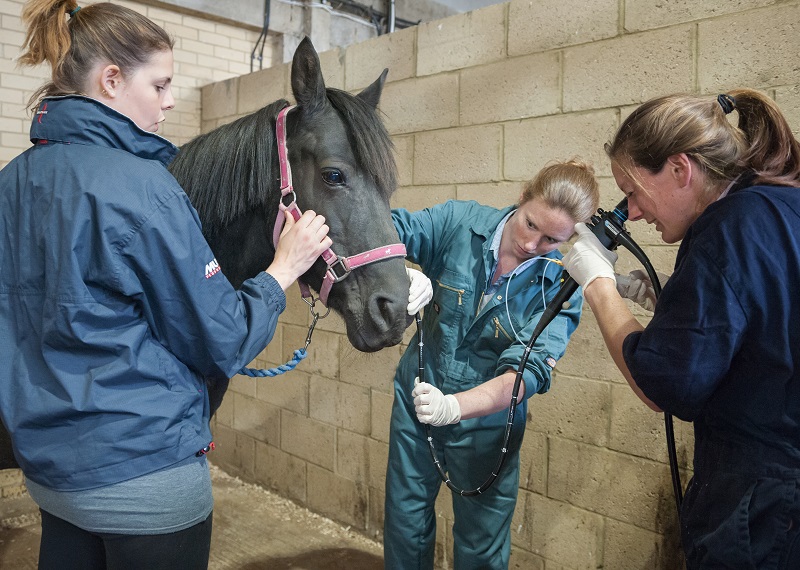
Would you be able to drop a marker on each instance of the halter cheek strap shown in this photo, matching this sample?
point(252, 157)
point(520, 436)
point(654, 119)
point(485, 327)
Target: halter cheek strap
point(339, 267)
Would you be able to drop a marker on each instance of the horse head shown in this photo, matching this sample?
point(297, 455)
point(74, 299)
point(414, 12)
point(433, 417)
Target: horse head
point(343, 167)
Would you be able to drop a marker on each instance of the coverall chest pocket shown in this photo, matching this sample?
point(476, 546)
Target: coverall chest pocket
point(452, 301)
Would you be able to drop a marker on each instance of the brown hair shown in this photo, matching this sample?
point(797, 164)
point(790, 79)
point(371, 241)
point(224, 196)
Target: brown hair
point(568, 186)
point(72, 40)
point(698, 126)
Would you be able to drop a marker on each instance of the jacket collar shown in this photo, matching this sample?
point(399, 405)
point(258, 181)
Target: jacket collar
point(76, 119)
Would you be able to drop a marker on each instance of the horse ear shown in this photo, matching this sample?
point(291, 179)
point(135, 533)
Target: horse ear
point(308, 85)
point(372, 94)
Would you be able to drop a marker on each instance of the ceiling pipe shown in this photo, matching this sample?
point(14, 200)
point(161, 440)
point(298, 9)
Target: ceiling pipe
point(390, 16)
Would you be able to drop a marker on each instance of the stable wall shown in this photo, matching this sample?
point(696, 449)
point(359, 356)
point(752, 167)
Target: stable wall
point(477, 103)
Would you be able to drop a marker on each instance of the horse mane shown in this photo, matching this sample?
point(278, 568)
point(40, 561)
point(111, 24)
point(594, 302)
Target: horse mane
point(230, 170)
point(234, 168)
point(369, 138)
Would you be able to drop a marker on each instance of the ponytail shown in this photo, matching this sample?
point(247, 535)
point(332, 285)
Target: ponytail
point(773, 152)
point(73, 40)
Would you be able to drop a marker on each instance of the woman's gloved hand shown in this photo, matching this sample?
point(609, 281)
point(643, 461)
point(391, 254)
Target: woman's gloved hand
point(637, 287)
point(433, 407)
point(420, 291)
point(588, 259)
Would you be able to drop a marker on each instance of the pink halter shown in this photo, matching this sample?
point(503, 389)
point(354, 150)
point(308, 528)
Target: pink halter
point(339, 267)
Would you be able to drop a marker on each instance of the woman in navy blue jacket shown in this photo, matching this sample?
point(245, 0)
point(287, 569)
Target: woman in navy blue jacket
point(723, 347)
point(112, 308)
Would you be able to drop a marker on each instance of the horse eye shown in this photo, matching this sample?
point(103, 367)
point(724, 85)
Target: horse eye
point(333, 177)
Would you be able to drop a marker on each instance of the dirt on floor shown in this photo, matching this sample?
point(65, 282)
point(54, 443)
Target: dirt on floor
point(253, 530)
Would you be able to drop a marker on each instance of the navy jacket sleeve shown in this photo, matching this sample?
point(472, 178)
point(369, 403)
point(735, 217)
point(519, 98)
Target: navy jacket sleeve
point(192, 308)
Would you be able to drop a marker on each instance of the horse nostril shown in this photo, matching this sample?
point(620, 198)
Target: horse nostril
point(383, 310)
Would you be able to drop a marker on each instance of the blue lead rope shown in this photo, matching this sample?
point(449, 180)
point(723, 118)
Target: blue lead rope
point(299, 355)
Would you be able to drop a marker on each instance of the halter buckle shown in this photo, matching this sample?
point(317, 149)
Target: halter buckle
point(339, 269)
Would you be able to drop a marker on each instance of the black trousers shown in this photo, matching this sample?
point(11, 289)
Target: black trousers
point(64, 546)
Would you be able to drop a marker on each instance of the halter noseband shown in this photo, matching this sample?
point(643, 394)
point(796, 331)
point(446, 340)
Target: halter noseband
point(339, 267)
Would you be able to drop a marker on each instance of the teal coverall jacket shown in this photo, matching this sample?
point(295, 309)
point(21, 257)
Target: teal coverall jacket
point(464, 347)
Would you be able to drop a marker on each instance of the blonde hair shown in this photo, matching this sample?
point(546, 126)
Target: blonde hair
point(569, 186)
point(762, 142)
point(72, 40)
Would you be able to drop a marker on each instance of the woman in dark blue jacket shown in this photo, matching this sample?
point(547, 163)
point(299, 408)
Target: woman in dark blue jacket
point(723, 347)
point(112, 306)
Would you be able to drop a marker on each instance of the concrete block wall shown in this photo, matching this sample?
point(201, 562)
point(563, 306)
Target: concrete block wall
point(477, 103)
point(205, 52)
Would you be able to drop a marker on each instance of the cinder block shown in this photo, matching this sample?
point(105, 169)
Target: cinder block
point(575, 408)
point(323, 353)
point(415, 198)
point(219, 99)
point(638, 430)
point(497, 194)
point(630, 489)
point(365, 61)
point(297, 311)
point(333, 322)
point(750, 57)
point(374, 370)
point(515, 88)
point(548, 24)
point(234, 453)
point(404, 157)
point(361, 459)
point(630, 548)
point(308, 439)
point(244, 385)
point(587, 355)
point(375, 515)
point(649, 14)
point(788, 99)
point(261, 88)
point(524, 560)
point(337, 498)
point(380, 415)
point(280, 471)
point(464, 40)
point(531, 144)
point(521, 531)
point(466, 154)
point(259, 420)
point(566, 534)
point(332, 64)
point(421, 104)
point(339, 404)
point(629, 69)
point(288, 391)
point(533, 461)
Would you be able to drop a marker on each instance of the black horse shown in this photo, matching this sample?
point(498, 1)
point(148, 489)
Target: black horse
point(343, 165)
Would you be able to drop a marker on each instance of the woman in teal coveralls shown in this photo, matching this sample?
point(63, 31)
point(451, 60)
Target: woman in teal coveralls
point(487, 266)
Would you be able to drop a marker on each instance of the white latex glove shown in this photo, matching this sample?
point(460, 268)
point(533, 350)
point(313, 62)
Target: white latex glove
point(420, 292)
point(588, 259)
point(433, 407)
point(637, 287)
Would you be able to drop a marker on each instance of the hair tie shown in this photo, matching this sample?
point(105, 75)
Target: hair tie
point(75, 11)
point(727, 102)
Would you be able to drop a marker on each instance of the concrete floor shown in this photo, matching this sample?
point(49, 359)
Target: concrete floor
point(253, 529)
